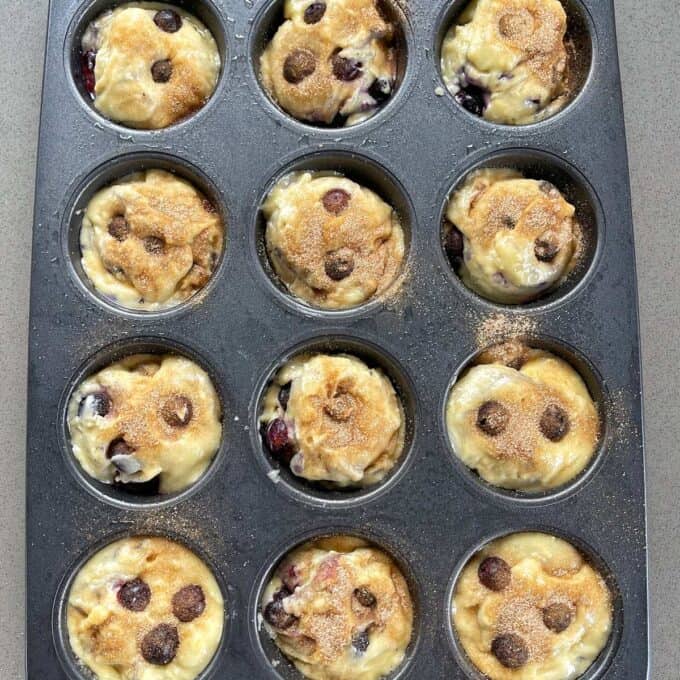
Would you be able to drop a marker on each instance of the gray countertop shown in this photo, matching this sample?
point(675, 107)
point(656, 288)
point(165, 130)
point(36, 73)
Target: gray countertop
point(649, 47)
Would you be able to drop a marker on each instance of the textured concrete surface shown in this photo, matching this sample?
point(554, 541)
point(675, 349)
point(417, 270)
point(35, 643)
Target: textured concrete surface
point(649, 45)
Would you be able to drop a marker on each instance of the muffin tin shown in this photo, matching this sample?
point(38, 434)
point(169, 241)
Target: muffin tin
point(431, 513)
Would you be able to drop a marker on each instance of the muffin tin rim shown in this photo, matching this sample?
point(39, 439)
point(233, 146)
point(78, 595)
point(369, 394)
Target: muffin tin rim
point(510, 498)
point(103, 357)
point(592, 557)
point(74, 668)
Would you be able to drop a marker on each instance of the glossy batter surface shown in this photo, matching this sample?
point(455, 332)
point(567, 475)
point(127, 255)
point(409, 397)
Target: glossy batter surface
point(145, 608)
point(334, 243)
point(512, 239)
point(339, 609)
point(153, 64)
point(146, 417)
point(523, 419)
point(150, 241)
point(529, 607)
point(333, 419)
point(331, 62)
point(509, 60)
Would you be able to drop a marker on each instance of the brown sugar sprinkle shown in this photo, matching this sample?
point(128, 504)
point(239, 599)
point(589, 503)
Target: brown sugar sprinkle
point(497, 328)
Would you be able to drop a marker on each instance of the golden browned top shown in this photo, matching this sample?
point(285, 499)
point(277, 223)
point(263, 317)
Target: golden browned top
point(151, 239)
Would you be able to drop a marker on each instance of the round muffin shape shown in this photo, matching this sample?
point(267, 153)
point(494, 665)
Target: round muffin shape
point(339, 609)
point(150, 241)
point(146, 417)
point(333, 419)
point(331, 62)
point(523, 419)
point(508, 60)
point(511, 239)
point(148, 65)
point(550, 619)
point(333, 243)
point(129, 616)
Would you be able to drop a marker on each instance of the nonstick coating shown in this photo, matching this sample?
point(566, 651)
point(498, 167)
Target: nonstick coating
point(432, 513)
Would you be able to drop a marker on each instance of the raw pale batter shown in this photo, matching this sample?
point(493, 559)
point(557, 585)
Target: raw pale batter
point(529, 607)
point(148, 65)
point(331, 62)
point(523, 419)
point(145, 609)
point(333, 419)
point(146, 417)
point(339, 609)
point(334, 243)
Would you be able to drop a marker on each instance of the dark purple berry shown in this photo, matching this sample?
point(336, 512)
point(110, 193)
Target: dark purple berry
point(472, 98)
point(98, 403)
point(161, 71)
point(284, 395)
point(277, 440)
point(554, 423)
point(168, 20)
point(361, 641)
point(314, 13)
point(346, 69)
point(154, 245)
point(275, 614)
point(177, 411)
point(380, 89)
point(87, 64)
point(188, 603)
point(134, 595)
point(365, 597)
point(546, 250)
point(510, 650)
point(336, 201)
point(454, 243)
point(339, 264)
point(494, 573)
point(492, 418)
point(159, 645)
point(558, 617)
point(119, 228)
point(299, 64)
point(119, 447)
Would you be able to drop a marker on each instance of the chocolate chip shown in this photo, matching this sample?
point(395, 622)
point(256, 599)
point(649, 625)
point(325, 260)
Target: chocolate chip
point(510, 650)
point(188, 603)
point(492, 418)
point(119, 447)
point(275, 614)
point(159, 645)
point(154, 245)
point(284, 395)
point(554, 423)
point(161, 71)
point(339, 264)
point(380, 89)
point(134, 595)
point(361, 641)
point(336, 201)
point(346, 69)
point(454, 243)
point(494, 573)
point(168, 20)
point(545, 250)
point(177, 411)
point(277, 440)
point(314, 13)
point(558, 617)
point(99, 403)
point(365, 597)
point(299, 65)
point(119, 228)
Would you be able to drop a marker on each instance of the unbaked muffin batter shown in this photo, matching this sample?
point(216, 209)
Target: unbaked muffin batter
point(148, 65)
point(334, 243)
point(509, 60)
point(333, 419)
point(511, 239)
point(331, 62)
point(523, 419)
point(150, 240)
point(146, 417)
point(145, 608)
point(529, 607)
point(339, 609)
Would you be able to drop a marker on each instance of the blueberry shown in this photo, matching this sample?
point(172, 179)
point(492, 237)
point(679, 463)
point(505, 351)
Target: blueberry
point(361, 641)
point(335, 201)
point(168, 20)
point(98, 403)
point(492, 418)
point(299, 64)
point(314, 13)
point(161, 71)
point(365, 597)
point(134, 595)
point(119, 228)
point(177, 411)
point(284, 395)
point(87, 63)
point(558, 617)
point(275, 614)
point(159, 645)
point(554, 423)
point(510, 650)
point(346, 69)
point(380, 89)
point(472, 98)
point(278, 441)
point(494, 573)
point(188, 603)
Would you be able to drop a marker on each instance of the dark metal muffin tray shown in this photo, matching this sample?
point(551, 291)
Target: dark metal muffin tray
point(432, 513)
